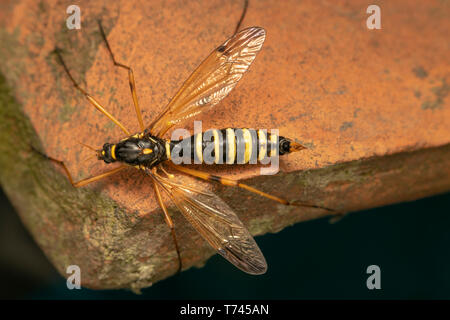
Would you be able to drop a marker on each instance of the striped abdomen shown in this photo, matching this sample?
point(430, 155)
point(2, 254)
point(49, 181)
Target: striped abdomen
point(231, 146)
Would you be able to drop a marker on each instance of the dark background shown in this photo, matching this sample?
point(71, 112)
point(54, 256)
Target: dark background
point(311, 260)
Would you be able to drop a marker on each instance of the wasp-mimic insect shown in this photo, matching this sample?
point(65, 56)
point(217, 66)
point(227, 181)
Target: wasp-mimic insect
point(149, 151)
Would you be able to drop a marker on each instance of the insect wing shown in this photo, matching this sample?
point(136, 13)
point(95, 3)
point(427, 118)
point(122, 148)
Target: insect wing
point(212, 80)
point(218, 225)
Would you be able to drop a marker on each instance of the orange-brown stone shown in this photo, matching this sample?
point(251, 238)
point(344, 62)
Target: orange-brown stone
point(372, 107)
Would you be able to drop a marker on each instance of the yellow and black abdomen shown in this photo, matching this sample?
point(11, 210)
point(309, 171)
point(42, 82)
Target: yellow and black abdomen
point(230, 146)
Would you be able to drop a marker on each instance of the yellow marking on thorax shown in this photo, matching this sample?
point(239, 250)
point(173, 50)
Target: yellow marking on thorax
point(248, 144)
point(262, 144)
point(137, 136)
point(168, 149)
point(147, 151)
point(113, 152)
point(231, 146)
point(198, 146)
point(274, 140)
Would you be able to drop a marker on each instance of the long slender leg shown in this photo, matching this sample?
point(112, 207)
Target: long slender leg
point(130, 78)
point(168, 221)
point(82, 182)
point(242, 17)
point(171, 176)
point(94, 102)
point(237, 183)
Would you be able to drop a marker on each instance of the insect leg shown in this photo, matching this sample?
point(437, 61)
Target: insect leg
point(130, 78)
point(242, 17)
point(94, 102)
point(237, 183)
point(169, 175)
point(168, 221)
point(82, 182)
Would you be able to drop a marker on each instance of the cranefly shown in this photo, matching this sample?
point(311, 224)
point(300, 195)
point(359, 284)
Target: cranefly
point(148, 151)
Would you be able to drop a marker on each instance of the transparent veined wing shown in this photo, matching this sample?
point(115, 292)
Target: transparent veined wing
point(216, 76)
point(217, 223)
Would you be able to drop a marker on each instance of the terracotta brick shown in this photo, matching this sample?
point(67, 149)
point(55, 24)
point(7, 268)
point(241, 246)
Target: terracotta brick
point(372, 107)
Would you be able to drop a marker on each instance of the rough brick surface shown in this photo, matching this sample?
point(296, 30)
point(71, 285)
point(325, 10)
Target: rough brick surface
point(371, 105)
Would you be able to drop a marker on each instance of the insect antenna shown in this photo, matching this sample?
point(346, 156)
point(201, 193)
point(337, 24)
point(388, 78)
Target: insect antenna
point(89, 158)
point(87, 146)
point(97, 152)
